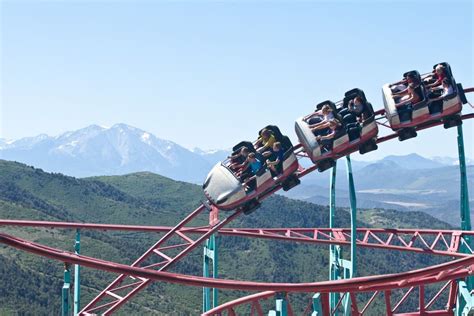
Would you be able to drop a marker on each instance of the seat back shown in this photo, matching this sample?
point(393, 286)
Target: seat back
point(421, 90)
point(238, 147)
point(351, 94)
point(286, 144)
point(368, 112)
point(368, 115)
point(450, 76)
point(319, 106)
point(275, 131)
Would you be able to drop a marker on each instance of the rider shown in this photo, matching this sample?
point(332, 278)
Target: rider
point(265, 141)
point(275, 159)
point(326, 140)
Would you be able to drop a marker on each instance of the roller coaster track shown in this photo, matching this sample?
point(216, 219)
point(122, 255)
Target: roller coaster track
point(426, 241)
point(446, 273)
point(177, 243)
point(456, 269)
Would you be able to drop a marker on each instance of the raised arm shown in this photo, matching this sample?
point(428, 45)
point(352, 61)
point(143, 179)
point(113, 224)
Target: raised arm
point(397, 83)
point(410, 99)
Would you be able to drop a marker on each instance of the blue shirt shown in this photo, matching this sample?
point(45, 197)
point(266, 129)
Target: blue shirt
point(255, 166)
point(277, 155)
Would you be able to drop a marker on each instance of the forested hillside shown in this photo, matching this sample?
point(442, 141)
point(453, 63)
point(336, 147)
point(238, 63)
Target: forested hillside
point(32, 285)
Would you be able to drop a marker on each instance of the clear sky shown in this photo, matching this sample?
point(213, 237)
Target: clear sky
point(209, 74)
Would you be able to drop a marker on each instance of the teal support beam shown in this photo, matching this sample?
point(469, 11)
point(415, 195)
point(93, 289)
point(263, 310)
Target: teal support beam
point(77, 275)
point(66, 291)
point(334, 250)
point(465, 209)
point(332, 196)
point(317, 305)
point(321, 304)
point(215, 274)
point(206, 292)
point(347, 273)
point(338, 267)
point(465, 300)
point(210, 256)
point(353, 203)
point(281, 305)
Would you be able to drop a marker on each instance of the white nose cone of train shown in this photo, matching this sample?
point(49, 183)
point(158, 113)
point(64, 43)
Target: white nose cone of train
point(223, 188)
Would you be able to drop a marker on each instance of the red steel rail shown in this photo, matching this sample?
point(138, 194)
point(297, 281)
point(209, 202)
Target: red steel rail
point(456, 269)
point(254, 302)
point(428, 241)
point(387, 284)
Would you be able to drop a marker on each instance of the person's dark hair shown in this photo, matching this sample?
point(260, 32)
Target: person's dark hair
point(440, 67)
point(413, 78)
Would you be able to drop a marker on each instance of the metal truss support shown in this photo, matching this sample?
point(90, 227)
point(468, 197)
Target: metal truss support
point(353, 201)
point(158, 258)
point(338, 267)
point(77, 275)
point(210, 265)
point(320, 304)
point(66, 291)
point(465, 298)
point(210, 259)
point(465, 209)
point(335, 254)
point(281, 305)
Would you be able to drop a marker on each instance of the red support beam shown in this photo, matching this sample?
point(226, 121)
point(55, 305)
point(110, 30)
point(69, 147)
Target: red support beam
point(421, 300)
point(388, 304)
point(373, 237)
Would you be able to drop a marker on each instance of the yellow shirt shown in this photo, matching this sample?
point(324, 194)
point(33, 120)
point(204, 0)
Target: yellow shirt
point(269, 142)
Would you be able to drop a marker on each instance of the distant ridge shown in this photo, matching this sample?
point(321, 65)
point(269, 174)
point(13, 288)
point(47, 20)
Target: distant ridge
point(414, 161)
point(96, 150)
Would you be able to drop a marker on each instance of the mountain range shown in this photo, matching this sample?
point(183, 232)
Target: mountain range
point(408, 182)
point(120, 149)
point(402, 183)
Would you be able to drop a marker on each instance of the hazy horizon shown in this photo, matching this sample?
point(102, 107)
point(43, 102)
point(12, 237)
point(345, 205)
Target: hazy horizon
point(367, 156)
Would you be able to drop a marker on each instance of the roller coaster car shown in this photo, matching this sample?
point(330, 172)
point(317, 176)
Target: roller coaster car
point(224, 189)
point(353, 136)
point(426, 111)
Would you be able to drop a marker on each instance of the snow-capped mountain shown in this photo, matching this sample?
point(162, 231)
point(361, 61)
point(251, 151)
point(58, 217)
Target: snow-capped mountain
point(96, 150)
point(120, 149)
point(212, 156)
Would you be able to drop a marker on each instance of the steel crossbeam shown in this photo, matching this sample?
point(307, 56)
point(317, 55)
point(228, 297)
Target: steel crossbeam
point(390, 307)
point(437, 242)
point(423, 241)
point(102, 301)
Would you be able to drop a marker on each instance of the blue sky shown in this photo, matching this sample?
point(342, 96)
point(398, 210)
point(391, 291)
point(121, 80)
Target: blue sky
point(209, 74)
